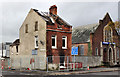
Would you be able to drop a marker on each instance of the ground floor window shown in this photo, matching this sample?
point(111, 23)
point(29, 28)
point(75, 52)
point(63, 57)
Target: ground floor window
point(50, 59)
point(81, 49)
point(62, 60)
point(96, 51)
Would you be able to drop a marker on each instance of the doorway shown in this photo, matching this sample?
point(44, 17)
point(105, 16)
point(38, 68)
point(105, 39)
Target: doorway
point(110, 55)
point(105, 55)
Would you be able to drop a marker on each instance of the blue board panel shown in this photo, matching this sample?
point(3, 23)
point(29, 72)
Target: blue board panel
point(34, 52)
point(105, 43)
point(74, 51)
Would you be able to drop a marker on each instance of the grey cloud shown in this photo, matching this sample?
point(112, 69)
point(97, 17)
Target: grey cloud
point(75, 13)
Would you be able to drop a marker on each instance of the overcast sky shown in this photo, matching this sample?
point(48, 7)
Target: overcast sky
point(12, 14)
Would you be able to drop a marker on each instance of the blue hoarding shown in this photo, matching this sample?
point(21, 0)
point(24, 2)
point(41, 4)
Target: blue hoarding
point(74, 51)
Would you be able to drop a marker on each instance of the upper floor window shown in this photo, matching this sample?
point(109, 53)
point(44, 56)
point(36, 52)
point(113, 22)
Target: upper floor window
point(36, 26)
point(26, 28)
point(64, 42)
point(17, 48)
point(54, 41)
point(107, 34)
point(36, 41)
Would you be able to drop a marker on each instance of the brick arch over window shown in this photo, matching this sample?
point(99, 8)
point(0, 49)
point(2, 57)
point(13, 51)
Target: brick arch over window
point(107, 34)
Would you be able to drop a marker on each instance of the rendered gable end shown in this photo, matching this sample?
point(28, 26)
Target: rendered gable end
point(27, 40)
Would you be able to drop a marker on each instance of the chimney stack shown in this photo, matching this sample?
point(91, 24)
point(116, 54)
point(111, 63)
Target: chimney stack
point(53, 10)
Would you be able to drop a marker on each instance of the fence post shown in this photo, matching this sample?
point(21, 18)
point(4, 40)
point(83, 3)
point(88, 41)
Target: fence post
point(20, 63)
point(74, 63)
point(67, 62)
point(47, 64)
point(34, 62)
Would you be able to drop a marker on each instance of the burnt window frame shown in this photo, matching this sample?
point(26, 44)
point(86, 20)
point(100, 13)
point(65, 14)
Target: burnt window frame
point(26, 28)
point(64, 38)
point(55, 45)
point(36, 41)
point(17, 48)
point(36, 26)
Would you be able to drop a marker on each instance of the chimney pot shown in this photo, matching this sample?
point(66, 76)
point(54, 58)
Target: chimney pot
point(53, 10)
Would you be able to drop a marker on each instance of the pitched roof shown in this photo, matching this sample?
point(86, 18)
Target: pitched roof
point(48, 18)
point(81, 34)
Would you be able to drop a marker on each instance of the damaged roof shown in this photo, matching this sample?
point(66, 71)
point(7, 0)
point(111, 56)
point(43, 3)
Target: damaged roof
point(16, 42)
point(81, 34)
point(49, 18)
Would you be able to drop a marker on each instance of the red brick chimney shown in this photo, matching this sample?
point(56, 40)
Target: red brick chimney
point(53, 10)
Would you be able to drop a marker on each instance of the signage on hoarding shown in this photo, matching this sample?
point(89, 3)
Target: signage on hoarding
point(34, 52)
point(74, 51)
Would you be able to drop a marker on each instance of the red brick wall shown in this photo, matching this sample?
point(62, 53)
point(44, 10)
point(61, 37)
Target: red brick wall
point(85, 48)
point(98, 34)
point(65, 31)
point(98, 37)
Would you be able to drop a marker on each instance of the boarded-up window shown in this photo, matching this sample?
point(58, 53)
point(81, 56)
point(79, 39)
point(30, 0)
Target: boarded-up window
point(96, 51)
point(81, 49)
point(36, 26)
point(26, 28)
point(50, 59)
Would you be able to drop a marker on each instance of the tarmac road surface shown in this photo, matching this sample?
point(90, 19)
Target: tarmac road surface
point(28, 74)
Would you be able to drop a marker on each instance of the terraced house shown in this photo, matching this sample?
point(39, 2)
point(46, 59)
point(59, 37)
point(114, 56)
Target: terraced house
point(42, 35)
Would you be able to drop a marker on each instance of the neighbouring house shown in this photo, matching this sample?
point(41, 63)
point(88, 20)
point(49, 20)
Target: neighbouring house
point(5, 50)
point(5, 54)
point(103, 39)
point(83, 48)
point(81, 38)
point(42, 35)
point(106, 41)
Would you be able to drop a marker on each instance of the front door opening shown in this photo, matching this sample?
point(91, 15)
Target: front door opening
point(105, 55)
point(110, 55)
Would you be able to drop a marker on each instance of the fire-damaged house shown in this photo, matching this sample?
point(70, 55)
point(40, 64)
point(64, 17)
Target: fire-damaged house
point(43, 34)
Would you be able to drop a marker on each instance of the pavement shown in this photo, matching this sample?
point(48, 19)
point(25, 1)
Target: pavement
point(85, 71)
point(91, 70)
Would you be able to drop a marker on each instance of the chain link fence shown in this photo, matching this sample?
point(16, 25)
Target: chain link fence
point(52, 63)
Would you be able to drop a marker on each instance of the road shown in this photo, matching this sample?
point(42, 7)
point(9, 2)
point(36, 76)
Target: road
point(28, 74)
point(19, 74)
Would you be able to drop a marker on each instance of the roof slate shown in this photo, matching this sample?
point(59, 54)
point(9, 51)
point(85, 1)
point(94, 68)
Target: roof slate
point(81, 34)
point(47, 18)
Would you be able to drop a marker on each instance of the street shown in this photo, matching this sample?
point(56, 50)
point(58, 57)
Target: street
point(29, 74)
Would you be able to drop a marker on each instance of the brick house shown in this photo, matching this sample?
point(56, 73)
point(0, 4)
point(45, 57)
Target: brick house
point(44, 34)
point(81, 39)
point(83, 48)
point(105, 41)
